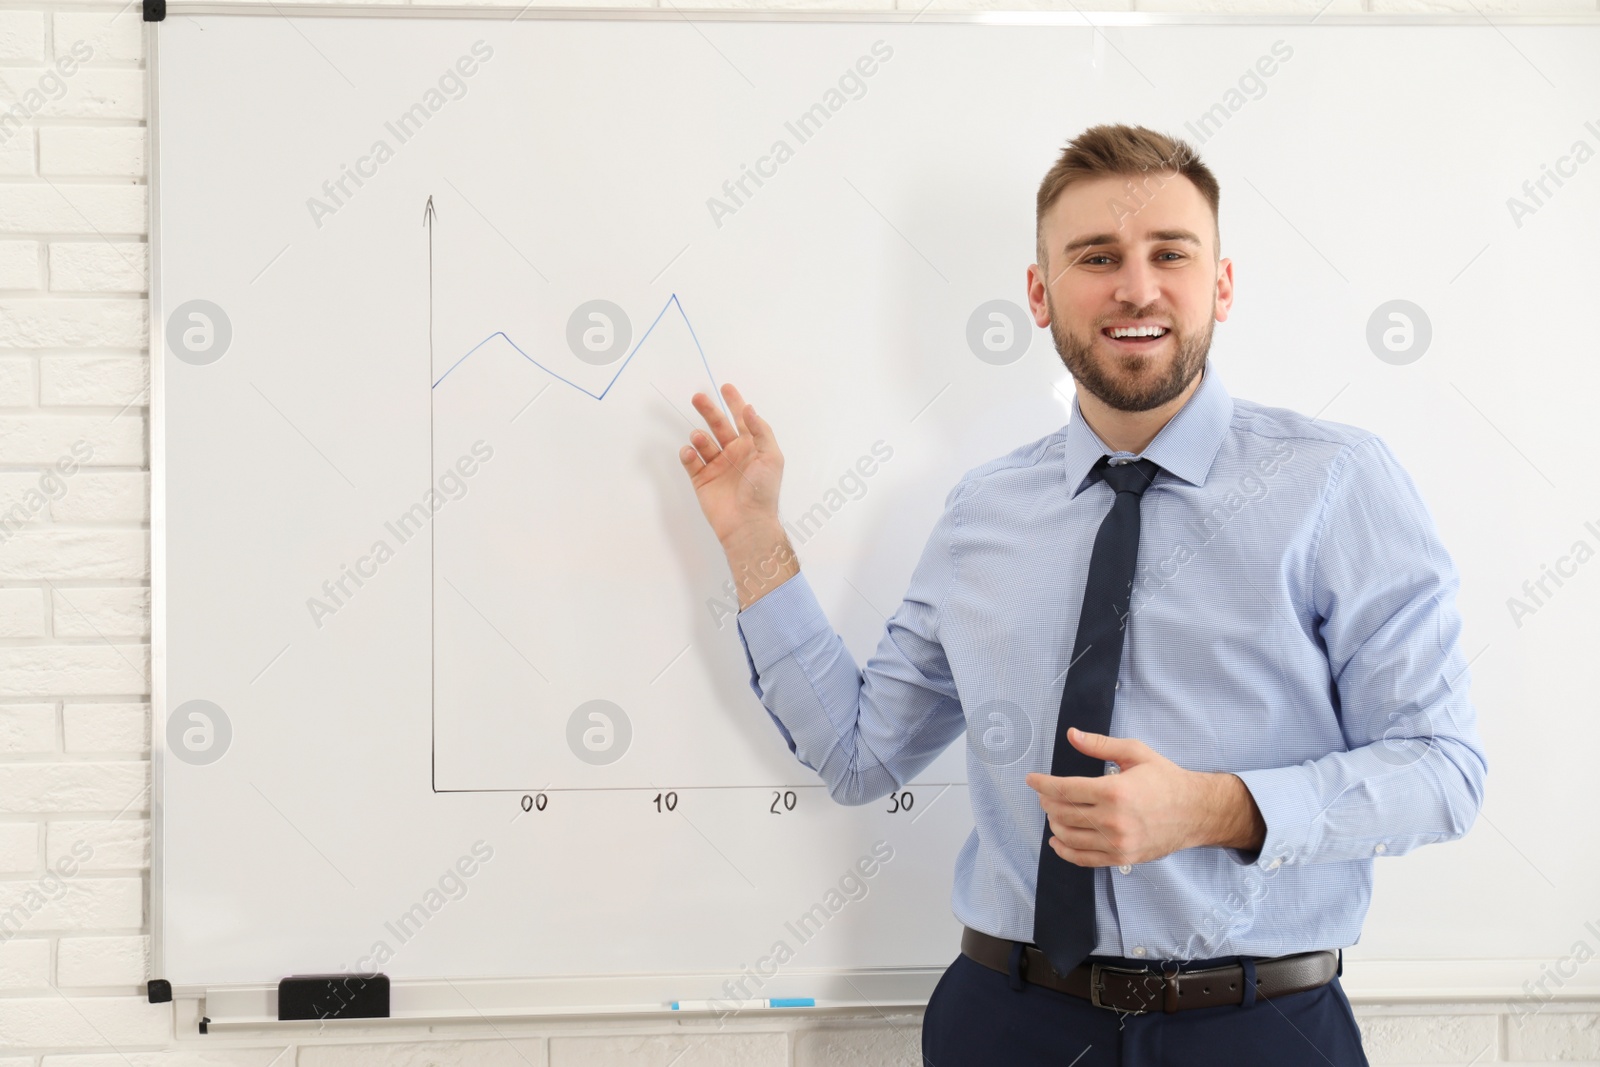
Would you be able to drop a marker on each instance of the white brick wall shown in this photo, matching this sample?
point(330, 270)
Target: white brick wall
point(74, 633)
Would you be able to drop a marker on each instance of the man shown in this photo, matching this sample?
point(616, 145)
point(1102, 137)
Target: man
point(1205, 654)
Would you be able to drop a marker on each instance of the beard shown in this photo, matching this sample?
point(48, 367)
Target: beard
point(1130, 383)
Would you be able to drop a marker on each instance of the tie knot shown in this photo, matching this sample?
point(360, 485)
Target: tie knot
point(1132, 477)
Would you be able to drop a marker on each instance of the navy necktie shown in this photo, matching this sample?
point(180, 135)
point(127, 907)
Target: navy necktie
point(1063, 917)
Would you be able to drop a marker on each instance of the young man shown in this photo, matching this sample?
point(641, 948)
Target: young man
point(1204, 652)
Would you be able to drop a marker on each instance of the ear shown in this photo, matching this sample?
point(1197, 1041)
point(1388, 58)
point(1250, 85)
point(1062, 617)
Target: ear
point(1224, 289)
point(1036, 296)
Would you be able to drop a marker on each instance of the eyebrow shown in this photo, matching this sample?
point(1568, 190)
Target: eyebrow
point(1110, 239)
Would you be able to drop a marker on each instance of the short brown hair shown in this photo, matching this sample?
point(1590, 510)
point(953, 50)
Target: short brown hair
point(1123, 152)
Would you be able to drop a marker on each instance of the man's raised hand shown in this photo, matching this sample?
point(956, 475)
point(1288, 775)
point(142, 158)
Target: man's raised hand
point(736, 473)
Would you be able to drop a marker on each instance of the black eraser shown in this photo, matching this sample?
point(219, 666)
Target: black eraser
point(334, 996)
point(159, 990)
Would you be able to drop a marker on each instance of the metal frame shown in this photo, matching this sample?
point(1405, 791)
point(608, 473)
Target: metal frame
point(158, 508)
point(1086, 19)
point(1093, 20)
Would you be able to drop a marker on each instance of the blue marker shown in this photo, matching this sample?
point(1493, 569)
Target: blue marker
point(741, 1005)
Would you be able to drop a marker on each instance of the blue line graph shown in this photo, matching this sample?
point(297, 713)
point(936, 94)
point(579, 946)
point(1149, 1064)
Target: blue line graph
point(672, 301)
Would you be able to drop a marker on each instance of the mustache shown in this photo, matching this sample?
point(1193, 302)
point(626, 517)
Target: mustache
point(1170, 321)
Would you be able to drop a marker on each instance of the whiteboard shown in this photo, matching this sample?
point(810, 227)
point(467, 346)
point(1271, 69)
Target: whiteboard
point(404, 364)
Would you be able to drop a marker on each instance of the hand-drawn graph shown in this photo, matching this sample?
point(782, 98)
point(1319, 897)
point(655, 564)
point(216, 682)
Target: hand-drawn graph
point(672, 302)
point(572, 643)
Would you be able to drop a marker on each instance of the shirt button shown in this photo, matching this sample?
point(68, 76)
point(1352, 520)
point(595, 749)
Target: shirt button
point(1126, 868)
point(1138, 950)
point(1380, 847)
point(1117, 686)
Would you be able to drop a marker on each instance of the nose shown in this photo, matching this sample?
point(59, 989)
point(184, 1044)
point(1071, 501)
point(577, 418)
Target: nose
point(1137, 283)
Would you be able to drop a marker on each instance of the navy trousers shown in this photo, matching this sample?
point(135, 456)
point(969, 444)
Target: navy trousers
point(978, 1017)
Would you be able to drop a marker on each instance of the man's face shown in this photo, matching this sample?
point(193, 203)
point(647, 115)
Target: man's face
point(1119, 258)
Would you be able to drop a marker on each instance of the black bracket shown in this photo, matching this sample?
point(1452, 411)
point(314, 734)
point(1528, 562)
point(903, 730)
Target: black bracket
point(159, 990)
point(155, 10)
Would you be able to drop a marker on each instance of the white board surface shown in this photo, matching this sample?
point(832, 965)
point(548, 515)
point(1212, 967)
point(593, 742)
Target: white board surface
point(377, 354)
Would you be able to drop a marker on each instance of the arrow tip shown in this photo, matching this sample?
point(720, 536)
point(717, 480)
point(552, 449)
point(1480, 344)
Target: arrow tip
point(427, 211)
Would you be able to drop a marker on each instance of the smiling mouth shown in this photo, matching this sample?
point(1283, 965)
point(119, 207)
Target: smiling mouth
point(1137, 342)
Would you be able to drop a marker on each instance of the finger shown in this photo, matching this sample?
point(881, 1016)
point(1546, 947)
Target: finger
point(751, 426)
point(761, 435)
point(1078, 857)
point(691, 460)
point(1065, 824)
point(736, 405)
point(1069, 790)
point(720, 426)
point(704, 446)
point(1088, 841)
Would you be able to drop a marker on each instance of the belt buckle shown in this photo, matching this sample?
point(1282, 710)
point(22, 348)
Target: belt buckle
point(1096, 969)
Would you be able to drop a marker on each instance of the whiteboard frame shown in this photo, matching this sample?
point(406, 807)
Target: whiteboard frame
point(158, 503)
point(253, 1007)
point(997, 18)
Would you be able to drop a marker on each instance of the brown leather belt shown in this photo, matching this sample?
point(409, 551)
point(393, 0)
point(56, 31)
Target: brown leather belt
point(1134, 990)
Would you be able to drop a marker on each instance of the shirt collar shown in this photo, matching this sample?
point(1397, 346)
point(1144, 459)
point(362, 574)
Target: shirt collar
point(1184, 447)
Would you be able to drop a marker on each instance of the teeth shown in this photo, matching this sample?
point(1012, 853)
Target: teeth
point(1138, 331)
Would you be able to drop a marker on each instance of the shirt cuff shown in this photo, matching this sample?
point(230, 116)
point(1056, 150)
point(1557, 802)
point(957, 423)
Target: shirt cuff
point(781, 621)
point(1288, 805)
point(772, 628)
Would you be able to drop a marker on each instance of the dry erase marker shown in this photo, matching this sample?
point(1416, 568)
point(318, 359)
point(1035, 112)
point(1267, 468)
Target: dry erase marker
point(741, 1005)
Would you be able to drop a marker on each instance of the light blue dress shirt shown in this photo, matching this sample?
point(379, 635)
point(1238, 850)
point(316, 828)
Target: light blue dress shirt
point(1293, 621)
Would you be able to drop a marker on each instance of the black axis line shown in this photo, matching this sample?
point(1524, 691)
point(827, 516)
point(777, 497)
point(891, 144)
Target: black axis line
point(433, 538)
point(680, 788)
